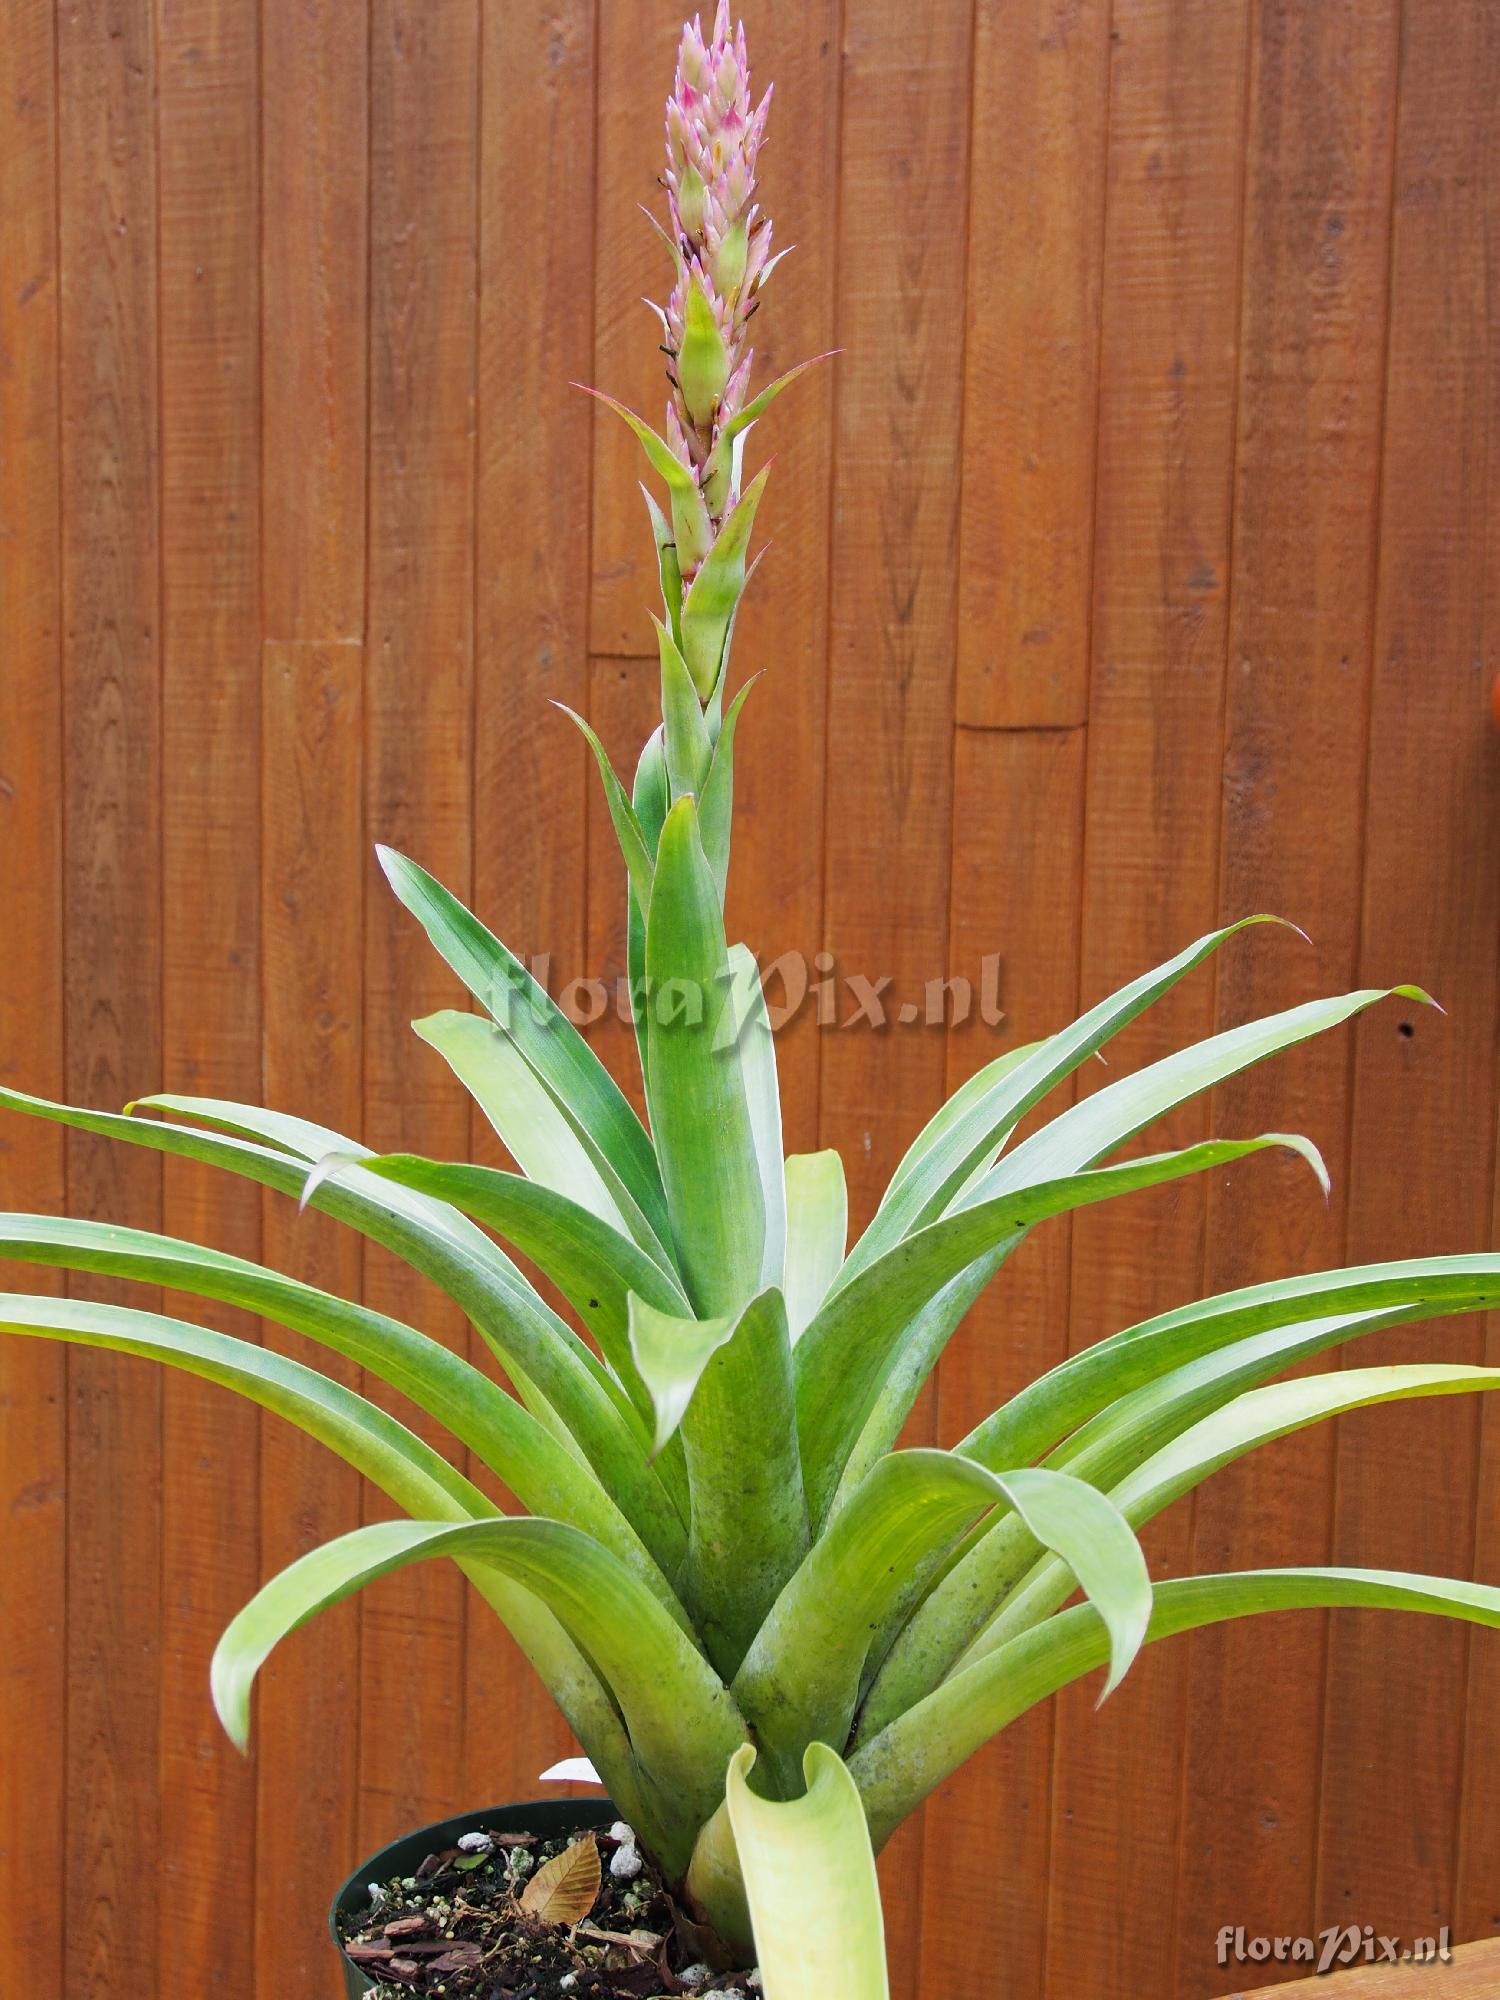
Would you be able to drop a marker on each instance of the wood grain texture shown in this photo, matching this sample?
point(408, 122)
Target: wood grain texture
point(419, 664)
point(1424, 1084)
point(208, 116)
point(314, 457)
point(637, 49)
point(1471, 1976)
point(531, 532)
point(1135, 564)
point(775, 902)
point(1307, 460)
point(33, 1376)
point(308, 1718)
point(902, 204)
point(1031, 390)
point(111, 687)
point(315, 139)
point(1166, 428)
point(1018, 807)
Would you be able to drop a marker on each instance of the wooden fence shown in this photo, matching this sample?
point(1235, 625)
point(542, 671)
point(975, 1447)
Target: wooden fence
point(1135, 564)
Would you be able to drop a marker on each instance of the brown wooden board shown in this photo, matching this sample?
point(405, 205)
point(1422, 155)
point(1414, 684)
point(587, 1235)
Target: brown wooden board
point(531, 528)
point(1018, 836)
point(424, 114)
point(111, 885)
point(1031, 386)
point(33, 1374)
point(637, 44)
point(208, 119)
point(775, 901)
point(1425, 1083)
point(1306, 471)
point(902, 208)
point(1473, 1975)
point(1166, 423)
point(314, 454)
point(307, 1719)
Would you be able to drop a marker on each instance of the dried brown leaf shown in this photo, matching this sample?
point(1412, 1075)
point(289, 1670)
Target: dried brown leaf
point(564, 1889)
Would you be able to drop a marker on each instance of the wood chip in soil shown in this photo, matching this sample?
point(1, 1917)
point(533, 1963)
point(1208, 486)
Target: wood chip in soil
point(460, 1927)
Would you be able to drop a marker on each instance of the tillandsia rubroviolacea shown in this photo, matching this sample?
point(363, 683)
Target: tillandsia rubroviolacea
point(772, 1629)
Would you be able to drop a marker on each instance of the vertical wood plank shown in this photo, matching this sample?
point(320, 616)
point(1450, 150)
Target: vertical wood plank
point(775, 901)
point(902, 204)
point(1017, 873)
point(637, 52)
point(1307, 482)
point(419, 703)
point(33, 1373)
point(315, 196)
point(1424, 1085)
point(1036, 206)
point(531, 528)
point(112, 895)
point(210, 995)
point(314, 445)
point(1476, 1907)
point(312, 863)
point(1166, 431)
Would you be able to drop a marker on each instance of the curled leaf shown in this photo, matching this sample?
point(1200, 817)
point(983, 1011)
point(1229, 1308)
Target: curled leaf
point(564, 1889)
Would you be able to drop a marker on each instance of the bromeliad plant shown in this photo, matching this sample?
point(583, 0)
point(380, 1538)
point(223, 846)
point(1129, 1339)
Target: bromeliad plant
point(773, 1630)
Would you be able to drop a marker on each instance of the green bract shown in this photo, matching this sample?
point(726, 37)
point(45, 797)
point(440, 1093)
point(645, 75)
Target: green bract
point(757, 1612)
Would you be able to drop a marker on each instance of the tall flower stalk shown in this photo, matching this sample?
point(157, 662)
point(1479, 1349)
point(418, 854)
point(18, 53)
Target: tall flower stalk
point(773, 1630)
point(719, 243)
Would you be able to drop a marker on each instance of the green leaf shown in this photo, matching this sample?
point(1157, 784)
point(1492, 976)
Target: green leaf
point(1057, 1402)
point(748, 1526)
point(716, 589)
point(952, 1147)
point(901, 1766)
point(727, 1383)
point(979, 1088)
point(694, 1082)
point(621, 813)
point(690, 523)
point(817, 1228)
point(800, 1680)
point(394, 1458)
point(520, 1109)
point(758, 405)
point(671, 1352)
point(810, 1879)
point(703, 359)
point(978, 1577)
point(651, 796)
point(682, 1723)
point(592, 1265)
point(1249, 1421)
point(857, 1339)
point(716, 807)
point(668, 573)
point(562, 1382)
point(1109, 1117)
point(584, 1089)
point(544, 1476)
point(689, 752)
point(757, 1047)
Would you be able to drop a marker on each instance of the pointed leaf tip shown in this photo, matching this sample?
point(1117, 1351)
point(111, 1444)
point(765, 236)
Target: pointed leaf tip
point(321, 1172)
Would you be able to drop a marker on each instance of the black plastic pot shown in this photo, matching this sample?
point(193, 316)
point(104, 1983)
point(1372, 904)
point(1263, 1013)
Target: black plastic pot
point(551, 1818)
